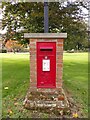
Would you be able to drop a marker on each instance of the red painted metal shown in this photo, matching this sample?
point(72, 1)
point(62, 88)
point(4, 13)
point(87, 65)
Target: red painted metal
point(46, 51)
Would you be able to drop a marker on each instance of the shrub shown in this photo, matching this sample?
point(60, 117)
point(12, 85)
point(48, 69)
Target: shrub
point(4, 51)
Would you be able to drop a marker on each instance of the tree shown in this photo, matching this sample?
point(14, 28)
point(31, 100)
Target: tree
point(14, 46)
point(29, 17)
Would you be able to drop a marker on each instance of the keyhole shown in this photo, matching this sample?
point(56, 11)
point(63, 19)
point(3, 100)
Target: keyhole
point(45, 57)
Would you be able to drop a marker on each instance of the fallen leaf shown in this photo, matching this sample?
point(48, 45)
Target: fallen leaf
point(15, 103)
point(75, 115)
point(6, 88)
point(10, 111)
point(61, 112)
point(15, 99)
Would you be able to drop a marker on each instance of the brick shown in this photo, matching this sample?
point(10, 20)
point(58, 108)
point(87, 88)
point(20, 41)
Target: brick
point(41, 40)
point(33, 55)
point(32, 69)
point(59, 61)
point(51, 40)
point(60, 40)
point(59, 45)
point(58, 85)
point(61, 97)
point(33, 88)
point(59, 49)
point(33, 40)
point(33, 63)
point(58, 80)
point(59, 74)
point(47, 40)
point(59, 58)
point(59, 77)
point(32, 49)
point(59, 89)
point(32, 52)
point(33, 77)
point(59, 65)
point(33, 45)
point(59, 53)
point(32, 72)
point(59, 71)
point(33, 84)
point(32, 58)
point(33, 81)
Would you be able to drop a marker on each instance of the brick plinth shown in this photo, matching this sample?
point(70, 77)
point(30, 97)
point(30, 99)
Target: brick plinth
point(55, 100)
point(46, 97)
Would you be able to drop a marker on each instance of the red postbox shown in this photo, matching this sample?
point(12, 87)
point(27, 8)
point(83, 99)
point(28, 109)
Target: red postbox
point(46, 64)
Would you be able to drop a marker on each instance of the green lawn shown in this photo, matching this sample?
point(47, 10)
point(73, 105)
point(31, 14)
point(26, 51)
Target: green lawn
point(75, 76)
point(15, 80)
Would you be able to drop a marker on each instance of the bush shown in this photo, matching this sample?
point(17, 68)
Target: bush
point(4, 51)
point(0, 50)
point(24, 50)
point(71, 51)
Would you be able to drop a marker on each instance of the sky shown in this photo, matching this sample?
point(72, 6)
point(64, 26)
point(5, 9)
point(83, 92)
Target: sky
point(4, 31)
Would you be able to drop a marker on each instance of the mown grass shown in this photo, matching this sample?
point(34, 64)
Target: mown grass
point(15, 76)
point(75, 76)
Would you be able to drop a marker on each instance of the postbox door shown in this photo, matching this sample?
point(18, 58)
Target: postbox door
point(46, 64)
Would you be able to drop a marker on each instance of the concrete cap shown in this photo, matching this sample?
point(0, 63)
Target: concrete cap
point(45, 35)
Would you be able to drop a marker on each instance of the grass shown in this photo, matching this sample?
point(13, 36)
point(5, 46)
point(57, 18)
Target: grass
point(75, 77)
point(15, 77)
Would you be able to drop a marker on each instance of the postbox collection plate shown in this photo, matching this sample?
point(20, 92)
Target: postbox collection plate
point(46, 64)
